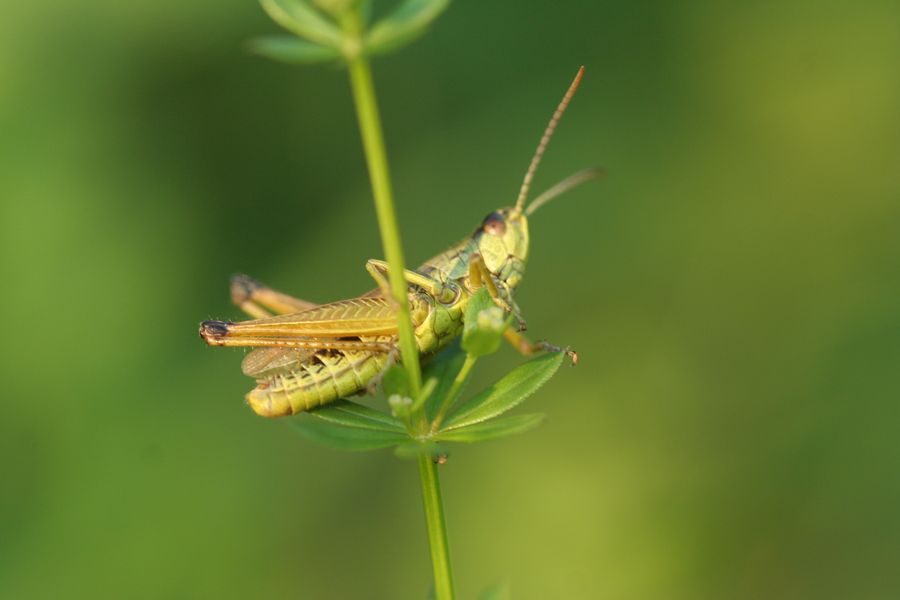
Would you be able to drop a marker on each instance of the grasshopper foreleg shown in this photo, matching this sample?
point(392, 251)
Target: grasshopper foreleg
point(479, 275)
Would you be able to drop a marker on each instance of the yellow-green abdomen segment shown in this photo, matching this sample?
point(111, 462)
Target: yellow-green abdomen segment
point(322, 378)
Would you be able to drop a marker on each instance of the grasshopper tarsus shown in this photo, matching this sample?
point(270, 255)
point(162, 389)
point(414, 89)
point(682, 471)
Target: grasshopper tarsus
point(548, 347)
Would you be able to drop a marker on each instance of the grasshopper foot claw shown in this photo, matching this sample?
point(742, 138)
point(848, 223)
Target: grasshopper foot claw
point(548, 347)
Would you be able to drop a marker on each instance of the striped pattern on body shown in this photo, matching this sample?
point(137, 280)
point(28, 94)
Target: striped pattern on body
point(320, 378)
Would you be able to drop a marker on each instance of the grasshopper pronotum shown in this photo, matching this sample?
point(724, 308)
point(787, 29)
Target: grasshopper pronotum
point(307, 354)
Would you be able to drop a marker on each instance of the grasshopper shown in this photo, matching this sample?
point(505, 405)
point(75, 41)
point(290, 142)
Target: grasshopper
point(307, 354)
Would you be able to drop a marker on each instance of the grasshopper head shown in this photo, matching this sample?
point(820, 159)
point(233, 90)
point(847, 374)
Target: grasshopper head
point(502, 241)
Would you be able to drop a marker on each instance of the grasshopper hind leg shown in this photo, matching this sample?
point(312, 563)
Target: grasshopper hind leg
point(297, 369)
point(260, 301)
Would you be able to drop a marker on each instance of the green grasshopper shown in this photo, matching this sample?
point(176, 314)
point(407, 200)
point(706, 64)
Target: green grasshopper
point(307, 355)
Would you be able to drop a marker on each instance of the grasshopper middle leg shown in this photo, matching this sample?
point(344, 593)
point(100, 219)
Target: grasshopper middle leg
point(444, 293)
point(527, 347)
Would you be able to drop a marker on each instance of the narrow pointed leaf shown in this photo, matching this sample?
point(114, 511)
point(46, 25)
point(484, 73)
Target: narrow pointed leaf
point(410, 20)
point(427, 389)
point(506, 393)
point(336, 7)
point(489, 430)
point(345, 438)
point(292, 50)
point(352, 414)
point(300, 18)
point(444, 368)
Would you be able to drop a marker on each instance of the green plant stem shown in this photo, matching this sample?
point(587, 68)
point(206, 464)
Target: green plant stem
point(437, 528)
point(453, 393)
point(376, 158)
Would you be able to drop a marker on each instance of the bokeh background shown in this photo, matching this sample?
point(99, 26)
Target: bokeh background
point(732, 288)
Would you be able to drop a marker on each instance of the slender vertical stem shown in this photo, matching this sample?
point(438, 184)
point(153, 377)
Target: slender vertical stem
point(437, 528)
point(376, 158)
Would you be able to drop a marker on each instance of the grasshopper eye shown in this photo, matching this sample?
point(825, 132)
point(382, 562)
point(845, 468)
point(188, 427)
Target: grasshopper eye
point(494, 224)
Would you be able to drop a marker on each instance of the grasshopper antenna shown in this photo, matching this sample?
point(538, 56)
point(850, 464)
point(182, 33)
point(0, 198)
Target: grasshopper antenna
point(545, 139)
point(564, 186)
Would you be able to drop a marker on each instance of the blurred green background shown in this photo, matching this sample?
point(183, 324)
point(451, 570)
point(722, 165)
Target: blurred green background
point(731, 286)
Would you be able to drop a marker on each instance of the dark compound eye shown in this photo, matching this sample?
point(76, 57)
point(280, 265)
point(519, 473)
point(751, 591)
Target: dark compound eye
point(494, 224)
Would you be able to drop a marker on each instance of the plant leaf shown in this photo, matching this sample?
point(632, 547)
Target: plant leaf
point(427, 389)
point(489, 430)
point(352, 414)
point(483, 325)
point(410, 20)
point(345, 438)
point(506, 393)
point(335, 7)
point(444, 367)
point(291, 50)
point(298, 17)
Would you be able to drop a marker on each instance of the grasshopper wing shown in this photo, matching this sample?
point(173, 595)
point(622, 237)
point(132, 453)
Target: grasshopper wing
point(265, 362)
point(368, 316)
